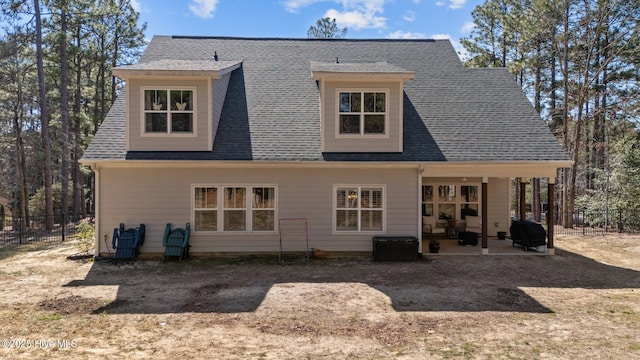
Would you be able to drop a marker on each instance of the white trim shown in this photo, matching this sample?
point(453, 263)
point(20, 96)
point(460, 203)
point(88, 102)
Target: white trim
point(220, 208)
point(362, 113)
point(359, 187)
point(169, 134)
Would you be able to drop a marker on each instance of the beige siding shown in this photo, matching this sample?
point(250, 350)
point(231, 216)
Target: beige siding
point(202, 125)
point(157, 196)
point(499, 207)
point(389, 143)
point(218, 93)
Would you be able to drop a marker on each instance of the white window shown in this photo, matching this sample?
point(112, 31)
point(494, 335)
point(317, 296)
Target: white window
point(234, 208)
point(168, 111)
point(359, 208)
point(450, 201)
point(362, 112)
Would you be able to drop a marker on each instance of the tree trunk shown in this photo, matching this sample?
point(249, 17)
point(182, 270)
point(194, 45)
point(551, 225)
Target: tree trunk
point(44, 120)
point(64, 112)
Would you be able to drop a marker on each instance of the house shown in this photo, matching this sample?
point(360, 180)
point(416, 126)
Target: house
point(360, 137)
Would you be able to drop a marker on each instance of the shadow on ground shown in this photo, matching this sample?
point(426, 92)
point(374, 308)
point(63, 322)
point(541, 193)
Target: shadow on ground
point(452, 283)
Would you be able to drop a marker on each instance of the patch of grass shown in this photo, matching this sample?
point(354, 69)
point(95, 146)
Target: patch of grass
point(10, 250)
point(634, 346)
point(50, 317)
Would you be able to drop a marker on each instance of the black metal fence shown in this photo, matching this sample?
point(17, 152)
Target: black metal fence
point(18, 230)
point(595, 222)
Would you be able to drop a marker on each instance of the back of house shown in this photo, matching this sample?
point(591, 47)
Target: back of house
point(361, 138)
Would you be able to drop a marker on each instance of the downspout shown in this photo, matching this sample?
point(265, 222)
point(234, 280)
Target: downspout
point(96, 211)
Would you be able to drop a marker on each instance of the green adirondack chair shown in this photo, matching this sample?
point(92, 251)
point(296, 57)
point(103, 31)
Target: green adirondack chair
point(176, 242)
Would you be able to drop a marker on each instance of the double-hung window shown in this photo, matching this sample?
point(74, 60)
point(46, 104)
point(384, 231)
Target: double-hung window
point(359, 208)
point(168, 111)
point(362, 112)
point(234, 208)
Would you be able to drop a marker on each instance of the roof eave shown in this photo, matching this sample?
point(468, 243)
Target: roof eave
point(343, 76)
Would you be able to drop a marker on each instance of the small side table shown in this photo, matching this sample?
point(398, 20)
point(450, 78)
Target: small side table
point(452, 229)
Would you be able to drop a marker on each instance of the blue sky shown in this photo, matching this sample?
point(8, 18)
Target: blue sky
point(291, 18)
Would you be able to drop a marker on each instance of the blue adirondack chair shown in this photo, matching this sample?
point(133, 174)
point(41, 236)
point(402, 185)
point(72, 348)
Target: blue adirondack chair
point(127, 242)
point(176, 242)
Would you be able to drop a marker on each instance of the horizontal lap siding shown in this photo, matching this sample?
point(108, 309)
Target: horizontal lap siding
point(499, 207)
point(157, 196)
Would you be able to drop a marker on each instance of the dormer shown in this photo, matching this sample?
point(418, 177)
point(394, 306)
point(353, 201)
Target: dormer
point(361, 105)
point(174, 105)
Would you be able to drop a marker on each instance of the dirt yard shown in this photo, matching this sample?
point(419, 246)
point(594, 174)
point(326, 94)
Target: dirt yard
point(583, 303)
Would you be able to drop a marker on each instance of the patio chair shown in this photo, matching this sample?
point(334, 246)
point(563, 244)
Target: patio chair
point(176, 242)
point(429, 227)
point(127, 242)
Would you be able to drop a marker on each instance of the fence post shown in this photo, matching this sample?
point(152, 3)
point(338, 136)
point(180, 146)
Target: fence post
point(584, 228)
point(20, 227)
point(64, 225)
point(620, 220)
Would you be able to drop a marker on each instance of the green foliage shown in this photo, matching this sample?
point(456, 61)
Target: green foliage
point(85, 232)
point(326, 28)
point(37, 202)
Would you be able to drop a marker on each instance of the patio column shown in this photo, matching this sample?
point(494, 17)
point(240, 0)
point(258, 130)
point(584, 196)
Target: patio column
point(485, 215)
point(523, 199)
point(551, 219)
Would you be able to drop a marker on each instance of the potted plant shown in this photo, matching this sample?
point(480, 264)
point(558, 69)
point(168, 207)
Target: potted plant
point(434, 247)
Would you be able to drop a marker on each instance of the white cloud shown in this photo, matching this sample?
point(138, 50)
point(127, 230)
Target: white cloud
point(409, 16)
point(356, 20)
point(440, 3)
point(456, 4)
point(135, 4)
point(467, 27)
point(295, 5)
point(406, 35)
point(354, 14)
point(440, 36)
point(203, 8)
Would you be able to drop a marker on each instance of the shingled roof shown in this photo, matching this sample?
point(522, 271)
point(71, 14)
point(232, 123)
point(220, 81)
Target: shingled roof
point(272, 111)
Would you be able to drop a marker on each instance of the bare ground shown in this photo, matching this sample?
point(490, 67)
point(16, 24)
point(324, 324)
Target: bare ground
point(582, 303)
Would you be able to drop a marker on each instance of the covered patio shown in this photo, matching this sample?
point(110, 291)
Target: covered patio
point(492, 203)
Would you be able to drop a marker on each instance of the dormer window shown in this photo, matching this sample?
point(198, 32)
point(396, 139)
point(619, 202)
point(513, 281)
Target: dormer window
point(362, 112)
point(169, 111)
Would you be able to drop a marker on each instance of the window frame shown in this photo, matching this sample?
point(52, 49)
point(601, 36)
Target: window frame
point(362, 113)
point(359, 208)
point(169, 112)
point(248, 208)
point(457, 202)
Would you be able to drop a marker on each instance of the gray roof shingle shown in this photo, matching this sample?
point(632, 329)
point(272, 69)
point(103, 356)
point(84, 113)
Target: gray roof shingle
point(271, 111)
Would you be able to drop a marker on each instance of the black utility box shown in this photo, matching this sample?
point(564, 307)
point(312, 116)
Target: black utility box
point(395, 248)
point(468, 238)
point(527, 234)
